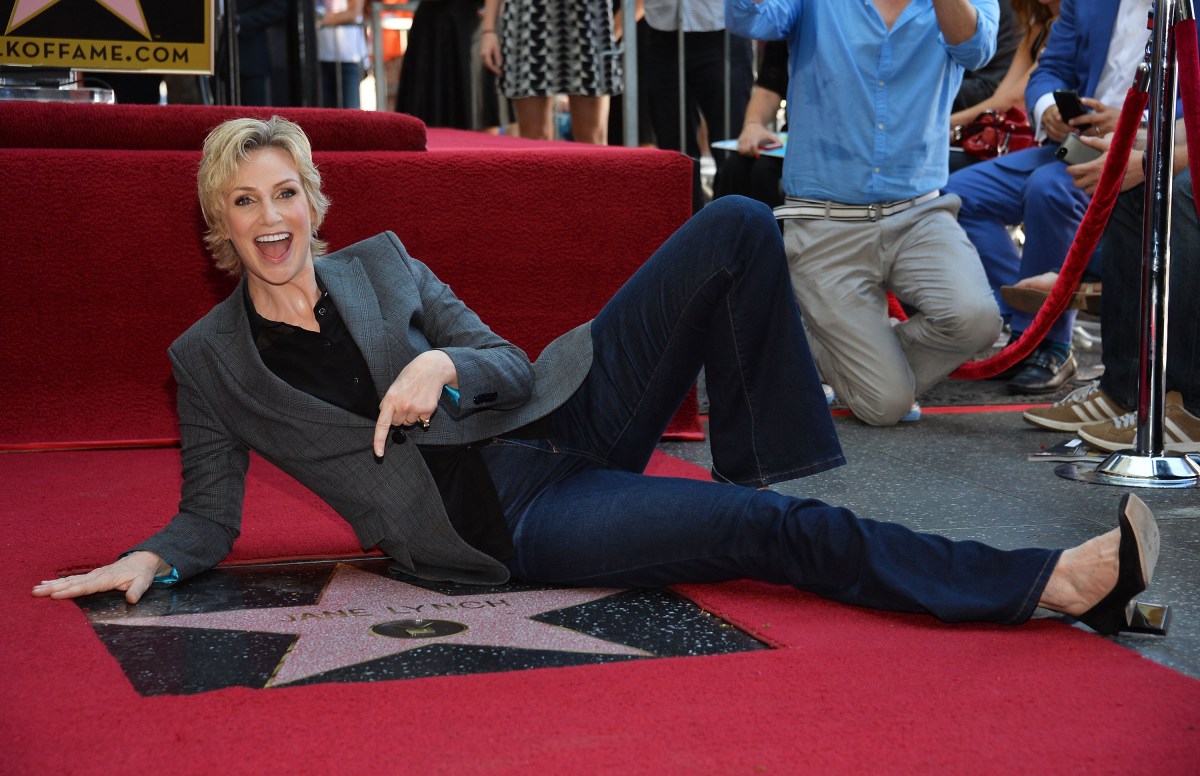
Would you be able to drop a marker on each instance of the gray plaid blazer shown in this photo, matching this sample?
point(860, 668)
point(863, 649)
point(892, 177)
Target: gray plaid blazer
point(395, 308)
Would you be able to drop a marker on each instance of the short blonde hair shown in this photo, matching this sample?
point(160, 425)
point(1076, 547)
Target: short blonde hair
point(229, 144)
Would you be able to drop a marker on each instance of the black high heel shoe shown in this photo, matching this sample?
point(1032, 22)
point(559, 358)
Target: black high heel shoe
point(1136, 558)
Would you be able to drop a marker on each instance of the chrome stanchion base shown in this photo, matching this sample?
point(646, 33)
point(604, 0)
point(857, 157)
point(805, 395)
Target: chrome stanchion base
point(1127, 469)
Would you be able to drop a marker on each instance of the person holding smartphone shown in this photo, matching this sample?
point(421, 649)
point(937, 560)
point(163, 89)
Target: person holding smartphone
point(1102, 413)
point(1093, 49)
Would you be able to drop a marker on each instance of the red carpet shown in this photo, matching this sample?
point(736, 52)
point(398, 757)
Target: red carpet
point(847, 690)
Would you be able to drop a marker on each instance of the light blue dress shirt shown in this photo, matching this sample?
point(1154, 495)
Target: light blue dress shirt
point(868, 107)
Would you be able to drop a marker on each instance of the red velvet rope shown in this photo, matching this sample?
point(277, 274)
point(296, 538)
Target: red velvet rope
point(1189, 91)
point(1099, 209)
point(1086, 237)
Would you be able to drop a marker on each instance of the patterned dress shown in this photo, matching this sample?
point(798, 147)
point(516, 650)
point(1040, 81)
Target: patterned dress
point(559, 47)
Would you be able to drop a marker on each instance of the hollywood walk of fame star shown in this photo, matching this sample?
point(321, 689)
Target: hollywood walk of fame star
point(128, 11)
point(346, 625)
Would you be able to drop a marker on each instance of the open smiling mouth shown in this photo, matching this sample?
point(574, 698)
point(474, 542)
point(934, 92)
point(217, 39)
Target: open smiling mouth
point(274, 246)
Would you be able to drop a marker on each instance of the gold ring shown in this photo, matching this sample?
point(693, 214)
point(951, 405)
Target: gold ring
point(424, 422)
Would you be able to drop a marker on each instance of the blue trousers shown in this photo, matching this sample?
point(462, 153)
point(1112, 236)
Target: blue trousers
point(1120, 320)
point(717, 294)
point(1028, 187)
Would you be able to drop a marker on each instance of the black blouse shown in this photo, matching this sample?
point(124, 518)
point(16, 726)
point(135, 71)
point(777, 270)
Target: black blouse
point(329, 366)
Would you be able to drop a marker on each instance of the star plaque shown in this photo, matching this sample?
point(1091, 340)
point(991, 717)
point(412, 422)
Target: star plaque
point(290, 624)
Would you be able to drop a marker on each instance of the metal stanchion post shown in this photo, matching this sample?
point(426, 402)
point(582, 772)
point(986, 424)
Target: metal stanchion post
point(339, 88)
point(378, 66)
point(303, 75)
point(728, 86)
point(682, 64)
point(1147, 465)
point(629, 43)
point(232, 92)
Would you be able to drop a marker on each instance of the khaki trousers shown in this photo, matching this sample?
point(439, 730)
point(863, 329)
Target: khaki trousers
point(841, 271)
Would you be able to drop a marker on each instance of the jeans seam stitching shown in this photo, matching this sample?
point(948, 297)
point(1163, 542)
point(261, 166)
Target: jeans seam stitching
point(642, 398)
point(745, 385)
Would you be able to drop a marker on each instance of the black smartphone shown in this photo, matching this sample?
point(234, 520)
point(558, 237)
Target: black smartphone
point(1070, 107)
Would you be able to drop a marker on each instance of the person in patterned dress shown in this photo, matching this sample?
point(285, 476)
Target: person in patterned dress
point(543, 48)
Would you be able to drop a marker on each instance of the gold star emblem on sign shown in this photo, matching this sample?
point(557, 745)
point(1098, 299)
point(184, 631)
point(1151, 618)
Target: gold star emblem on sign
point(360, 617)
point(128, 11)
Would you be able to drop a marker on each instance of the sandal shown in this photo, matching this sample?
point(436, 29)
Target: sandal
point(1030, 300)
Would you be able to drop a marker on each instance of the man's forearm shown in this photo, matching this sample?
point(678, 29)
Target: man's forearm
point(957, 19)
point(763, 106)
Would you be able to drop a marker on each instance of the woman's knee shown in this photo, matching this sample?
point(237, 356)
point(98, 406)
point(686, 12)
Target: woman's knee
point(744, 232)
point(739, 209)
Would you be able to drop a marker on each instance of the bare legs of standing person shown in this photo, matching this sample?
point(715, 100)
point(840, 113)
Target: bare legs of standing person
point(589, 118)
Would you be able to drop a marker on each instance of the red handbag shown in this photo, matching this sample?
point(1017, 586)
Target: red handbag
point(995, 134)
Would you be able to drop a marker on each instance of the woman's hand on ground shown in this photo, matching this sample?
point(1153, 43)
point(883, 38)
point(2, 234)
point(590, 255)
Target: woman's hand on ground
point(133, 574)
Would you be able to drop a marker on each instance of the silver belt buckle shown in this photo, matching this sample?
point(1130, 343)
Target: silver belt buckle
point(874, 211)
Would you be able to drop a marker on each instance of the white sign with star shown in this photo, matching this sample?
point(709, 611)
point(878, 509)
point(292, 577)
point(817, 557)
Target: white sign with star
point(360, 617)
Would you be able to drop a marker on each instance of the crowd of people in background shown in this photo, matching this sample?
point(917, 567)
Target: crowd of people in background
point(853, 150)
point(868, 214)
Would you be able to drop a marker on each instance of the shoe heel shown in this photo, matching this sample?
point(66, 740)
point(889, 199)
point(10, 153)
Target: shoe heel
point(1137, 557)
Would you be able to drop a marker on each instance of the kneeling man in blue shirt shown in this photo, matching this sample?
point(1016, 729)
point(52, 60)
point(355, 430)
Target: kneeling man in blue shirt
point(869, 102)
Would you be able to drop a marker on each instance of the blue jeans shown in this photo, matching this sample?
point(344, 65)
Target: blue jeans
point(717, 294)
point(1028, 187)
point(1120, 320)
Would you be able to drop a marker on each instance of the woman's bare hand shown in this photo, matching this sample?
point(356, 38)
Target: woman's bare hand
point(489, 51)
point(133, 574)
point(413, 397)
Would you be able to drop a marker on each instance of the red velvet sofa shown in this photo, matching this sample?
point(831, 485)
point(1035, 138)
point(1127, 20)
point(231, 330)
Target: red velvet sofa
point(105, 265)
